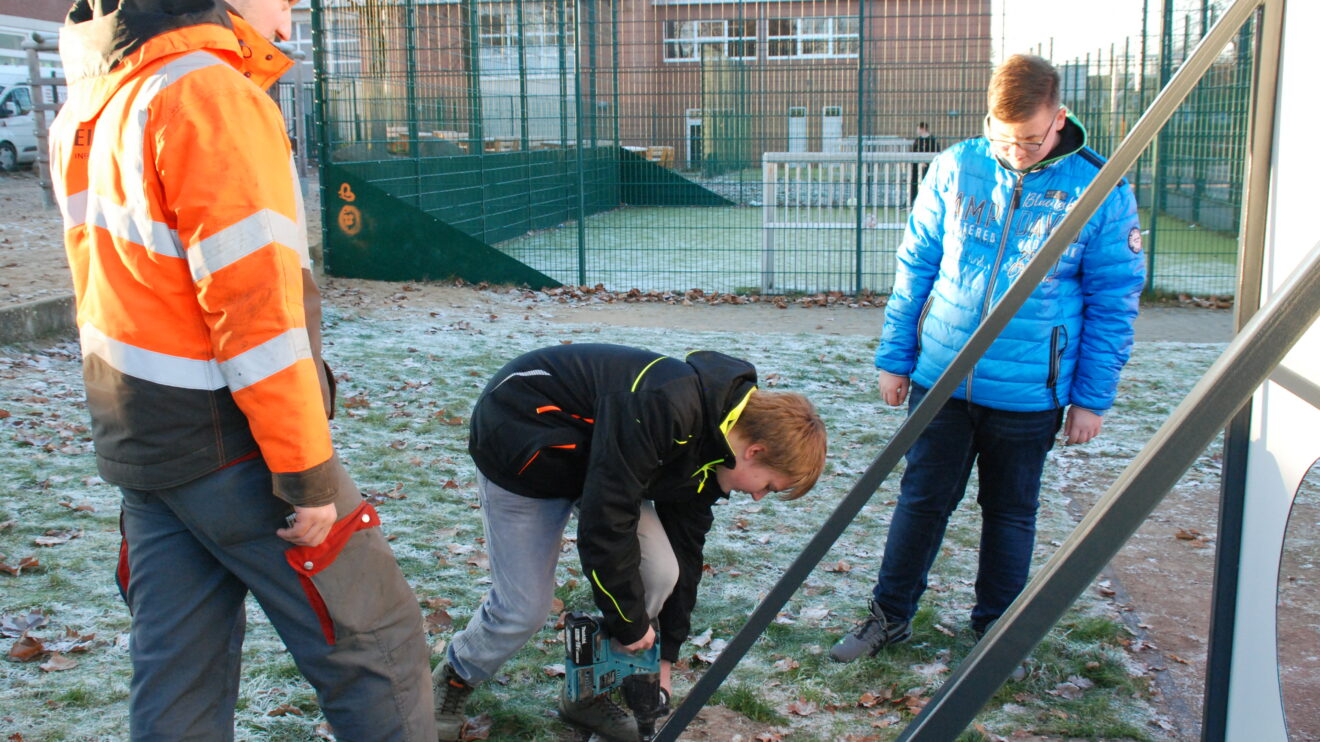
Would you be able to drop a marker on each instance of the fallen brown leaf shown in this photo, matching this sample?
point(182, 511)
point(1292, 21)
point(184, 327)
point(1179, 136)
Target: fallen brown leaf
point(56, 536)
point(79, 508)
point(801, 707)
point(58, 662)
point(16, 569)
point(16, 624)
point(27, 649)
point(438, 621)
point(477, 727)
point(72, 641)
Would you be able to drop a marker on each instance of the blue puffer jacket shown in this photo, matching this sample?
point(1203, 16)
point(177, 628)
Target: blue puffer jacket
point(973, 227)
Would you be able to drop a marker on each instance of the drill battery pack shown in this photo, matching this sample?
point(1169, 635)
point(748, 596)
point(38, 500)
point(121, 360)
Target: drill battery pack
point(595, 664)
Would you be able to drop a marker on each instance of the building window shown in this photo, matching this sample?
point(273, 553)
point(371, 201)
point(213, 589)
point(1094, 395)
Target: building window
point(540, 34)
point(343, 56)
point(811, 38)
point(688, 41)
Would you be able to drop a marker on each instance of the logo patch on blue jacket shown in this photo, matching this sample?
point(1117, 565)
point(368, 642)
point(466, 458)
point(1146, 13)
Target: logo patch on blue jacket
point(1134, 240)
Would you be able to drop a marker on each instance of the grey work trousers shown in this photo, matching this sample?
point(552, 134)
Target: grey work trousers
point(353, 627)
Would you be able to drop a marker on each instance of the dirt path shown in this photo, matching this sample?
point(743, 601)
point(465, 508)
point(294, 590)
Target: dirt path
point(1164, 580)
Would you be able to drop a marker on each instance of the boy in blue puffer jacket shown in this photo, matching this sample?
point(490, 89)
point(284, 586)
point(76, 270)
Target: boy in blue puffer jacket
point(986, 206)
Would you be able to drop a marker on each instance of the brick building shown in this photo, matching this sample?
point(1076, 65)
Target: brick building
point(707, 78)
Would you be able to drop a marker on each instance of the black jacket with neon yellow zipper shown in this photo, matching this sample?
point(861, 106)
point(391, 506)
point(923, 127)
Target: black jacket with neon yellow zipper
point(611, 426)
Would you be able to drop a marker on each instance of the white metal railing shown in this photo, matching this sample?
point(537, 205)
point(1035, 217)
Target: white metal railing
point(834, 190)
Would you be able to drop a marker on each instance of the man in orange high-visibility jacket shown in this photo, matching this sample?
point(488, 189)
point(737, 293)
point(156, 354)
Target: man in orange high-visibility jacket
point(199, 320)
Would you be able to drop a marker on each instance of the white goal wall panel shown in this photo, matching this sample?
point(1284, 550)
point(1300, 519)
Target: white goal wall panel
point(1285, 433)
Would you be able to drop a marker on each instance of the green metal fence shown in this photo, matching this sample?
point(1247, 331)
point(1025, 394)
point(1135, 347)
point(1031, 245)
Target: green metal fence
point(727, 146)
point(1191, 174)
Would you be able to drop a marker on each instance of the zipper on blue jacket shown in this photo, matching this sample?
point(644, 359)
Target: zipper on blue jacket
point(994, 272)
point(921, 324)
point(1056, 360)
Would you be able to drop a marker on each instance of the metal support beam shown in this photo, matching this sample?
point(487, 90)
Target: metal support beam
point(1237, 437)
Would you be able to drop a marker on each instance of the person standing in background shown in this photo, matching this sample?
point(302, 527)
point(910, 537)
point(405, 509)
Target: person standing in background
point(985, 209)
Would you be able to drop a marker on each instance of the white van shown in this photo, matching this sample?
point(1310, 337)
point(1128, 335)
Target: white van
point(18, 138)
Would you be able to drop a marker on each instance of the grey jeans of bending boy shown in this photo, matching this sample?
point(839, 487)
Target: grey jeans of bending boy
point(524, 536)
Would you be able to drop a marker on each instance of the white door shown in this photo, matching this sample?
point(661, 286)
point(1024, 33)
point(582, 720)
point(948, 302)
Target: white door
point(831, 129)
point(797, 129)
point(692, 126)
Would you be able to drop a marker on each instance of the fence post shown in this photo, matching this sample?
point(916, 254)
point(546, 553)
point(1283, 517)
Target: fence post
point(769, 179)
point(577, 128)
point(410, 81)
point(1141, 97)
point(297, 106)
point(33, 44)
point(861, 103)
point(1161, 164)
point(300, 112)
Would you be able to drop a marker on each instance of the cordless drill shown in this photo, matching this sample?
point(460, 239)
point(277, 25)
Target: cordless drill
point(598, 665)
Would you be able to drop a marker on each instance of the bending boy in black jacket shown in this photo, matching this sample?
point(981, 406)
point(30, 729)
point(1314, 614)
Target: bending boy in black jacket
point(643, 445)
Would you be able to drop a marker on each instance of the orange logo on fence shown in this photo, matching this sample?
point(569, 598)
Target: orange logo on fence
point(346, 193)
point(350, 220)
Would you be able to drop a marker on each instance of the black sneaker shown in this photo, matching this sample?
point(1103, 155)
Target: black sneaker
point(870, 636)
point(451, 694)
point(600, 716)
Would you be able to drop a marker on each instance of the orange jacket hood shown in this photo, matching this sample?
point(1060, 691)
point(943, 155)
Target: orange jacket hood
point(104, 42)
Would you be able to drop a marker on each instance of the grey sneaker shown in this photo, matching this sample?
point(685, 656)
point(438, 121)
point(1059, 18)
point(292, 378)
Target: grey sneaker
point(598, 715)
point(870, 636)
point(451, 694)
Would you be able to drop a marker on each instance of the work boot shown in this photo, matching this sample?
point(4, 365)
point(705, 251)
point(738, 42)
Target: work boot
point(451, 694)
point(870, 636)
point(598, 715)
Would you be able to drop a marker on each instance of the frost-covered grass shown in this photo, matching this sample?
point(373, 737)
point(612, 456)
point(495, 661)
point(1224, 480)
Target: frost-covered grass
point(716, 248)
point(407, 386)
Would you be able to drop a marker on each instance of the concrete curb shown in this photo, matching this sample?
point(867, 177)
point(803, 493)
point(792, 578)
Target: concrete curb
point(34, 319)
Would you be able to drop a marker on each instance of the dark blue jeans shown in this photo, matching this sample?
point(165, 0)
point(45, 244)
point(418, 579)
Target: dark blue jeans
point(1008, 449)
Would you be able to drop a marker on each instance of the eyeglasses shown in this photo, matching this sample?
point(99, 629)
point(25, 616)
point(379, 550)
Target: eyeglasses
point(1024, 146)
